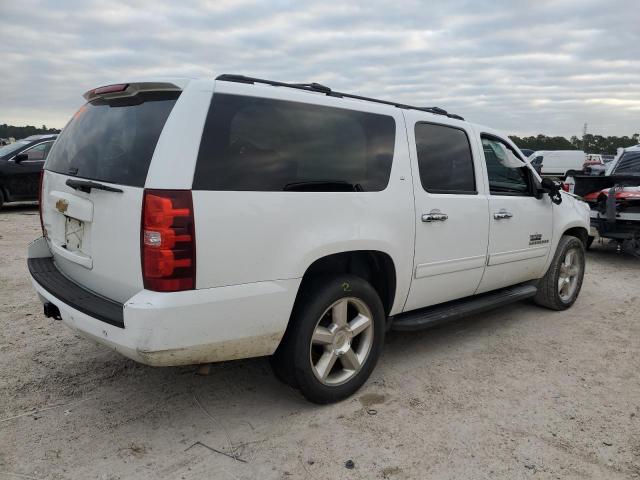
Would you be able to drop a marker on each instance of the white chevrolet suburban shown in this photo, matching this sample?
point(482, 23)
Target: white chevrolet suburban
point(194, 221)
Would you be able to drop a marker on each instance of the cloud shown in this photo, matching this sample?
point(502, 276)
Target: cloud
point(523, 67)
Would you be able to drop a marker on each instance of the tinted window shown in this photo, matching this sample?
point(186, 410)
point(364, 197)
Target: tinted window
point(113, 140)
point(39, 152)
point(507, 173)
point(629, 164)
point(444, 159)
point(273, 145)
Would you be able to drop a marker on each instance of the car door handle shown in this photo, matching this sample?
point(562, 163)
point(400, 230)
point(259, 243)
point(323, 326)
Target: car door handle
point(434, 216)
point(503, 213)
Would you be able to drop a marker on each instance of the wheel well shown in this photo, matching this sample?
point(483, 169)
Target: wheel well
point(374, 266)
point(578, 232)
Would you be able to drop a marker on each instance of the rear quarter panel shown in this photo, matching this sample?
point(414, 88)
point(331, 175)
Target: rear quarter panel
point(244, 237)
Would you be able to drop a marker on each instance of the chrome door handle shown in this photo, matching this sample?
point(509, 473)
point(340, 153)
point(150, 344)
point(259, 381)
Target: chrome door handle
point(434, 216)
point(503, 213)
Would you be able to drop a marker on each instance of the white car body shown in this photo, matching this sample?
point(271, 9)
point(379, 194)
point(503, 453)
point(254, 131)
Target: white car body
point(254, 248)
point(557, 163)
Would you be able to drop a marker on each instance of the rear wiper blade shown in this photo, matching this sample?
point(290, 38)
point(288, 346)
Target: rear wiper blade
point(323, 186)
point(87, 185)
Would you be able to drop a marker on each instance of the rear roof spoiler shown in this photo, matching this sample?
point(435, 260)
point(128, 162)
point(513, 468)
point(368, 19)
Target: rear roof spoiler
point(129, 89)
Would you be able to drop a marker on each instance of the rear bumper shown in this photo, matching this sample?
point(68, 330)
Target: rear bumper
point(180, 328)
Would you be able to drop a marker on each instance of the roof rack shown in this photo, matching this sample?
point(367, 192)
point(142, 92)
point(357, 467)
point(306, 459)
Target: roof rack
point(316, 87)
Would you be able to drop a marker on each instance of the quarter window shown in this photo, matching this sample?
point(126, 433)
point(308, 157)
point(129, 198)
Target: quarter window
point(507, 173)
point(445, 162)
point(262, 144)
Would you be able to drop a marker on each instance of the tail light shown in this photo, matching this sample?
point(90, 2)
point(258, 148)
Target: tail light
point(40, 197)
point(565, 187)
point(168, 243)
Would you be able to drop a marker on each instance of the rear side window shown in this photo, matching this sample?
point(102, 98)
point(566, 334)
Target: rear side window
point(113, 140)
point(261, 144)
point(444, 159)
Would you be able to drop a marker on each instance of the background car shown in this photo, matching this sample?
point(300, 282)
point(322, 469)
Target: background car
point(20, 166)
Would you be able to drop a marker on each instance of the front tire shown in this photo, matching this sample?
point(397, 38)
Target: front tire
point(560, 286)
point(334, 340)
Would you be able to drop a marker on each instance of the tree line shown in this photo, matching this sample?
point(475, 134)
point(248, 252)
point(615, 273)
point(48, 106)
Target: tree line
point(589, 143)
point(7, 131)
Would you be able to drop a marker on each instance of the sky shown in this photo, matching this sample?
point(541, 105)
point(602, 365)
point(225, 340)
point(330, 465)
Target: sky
point(521, 67)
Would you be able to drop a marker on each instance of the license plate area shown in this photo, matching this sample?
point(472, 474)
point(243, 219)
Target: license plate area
point(73, 234)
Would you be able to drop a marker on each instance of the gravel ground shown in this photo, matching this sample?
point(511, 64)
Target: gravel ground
point(521, 392)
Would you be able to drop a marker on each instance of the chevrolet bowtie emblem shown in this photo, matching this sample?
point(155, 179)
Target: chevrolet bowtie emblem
point(62, 205)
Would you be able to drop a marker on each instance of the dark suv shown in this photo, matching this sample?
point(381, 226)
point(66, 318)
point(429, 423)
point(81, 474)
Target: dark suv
point(20, 166)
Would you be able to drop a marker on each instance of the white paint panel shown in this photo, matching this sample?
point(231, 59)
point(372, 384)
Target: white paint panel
point(516, 255)
point(450, 266)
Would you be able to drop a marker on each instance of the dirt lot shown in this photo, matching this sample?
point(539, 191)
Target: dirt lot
point(518, 393)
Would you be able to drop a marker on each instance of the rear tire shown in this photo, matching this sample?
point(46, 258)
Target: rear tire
point(1, 198)
point(560, 286)
point(334, 339)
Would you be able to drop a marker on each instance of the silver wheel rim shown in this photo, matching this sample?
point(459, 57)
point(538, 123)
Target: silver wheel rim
point(570, 270)
point(341, 341)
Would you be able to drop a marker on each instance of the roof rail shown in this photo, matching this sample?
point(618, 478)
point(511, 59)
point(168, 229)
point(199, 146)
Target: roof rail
point(316, 87)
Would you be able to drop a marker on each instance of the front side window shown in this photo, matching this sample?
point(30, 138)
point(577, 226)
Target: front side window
point(507, 174)
point(39, 152)
point(261, 144)
point(445, 162)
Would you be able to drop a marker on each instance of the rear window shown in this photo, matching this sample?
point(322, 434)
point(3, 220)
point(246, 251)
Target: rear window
point(113, 140)
point(261, 144)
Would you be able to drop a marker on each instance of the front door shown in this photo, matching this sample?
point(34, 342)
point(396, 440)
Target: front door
point(520, 225)
point(451, 212)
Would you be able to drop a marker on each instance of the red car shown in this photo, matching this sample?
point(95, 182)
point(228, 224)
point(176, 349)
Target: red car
point(614, 199)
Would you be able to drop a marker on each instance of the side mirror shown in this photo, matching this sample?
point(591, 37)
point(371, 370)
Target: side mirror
point(553, 189)
point(20, 157)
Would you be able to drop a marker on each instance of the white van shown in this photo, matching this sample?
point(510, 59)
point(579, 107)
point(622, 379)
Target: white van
point(556, 163)
point(193, 221)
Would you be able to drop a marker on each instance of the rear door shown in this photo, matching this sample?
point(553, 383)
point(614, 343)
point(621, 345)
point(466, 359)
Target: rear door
point(520, 225)
point(451, 211)
point(24, 175)
point(94, 231)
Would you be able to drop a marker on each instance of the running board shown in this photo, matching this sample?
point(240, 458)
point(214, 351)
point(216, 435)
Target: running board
point(446, 312)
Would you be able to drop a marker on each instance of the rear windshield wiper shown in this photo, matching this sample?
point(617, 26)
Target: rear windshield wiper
point(87, 185)
point(323, 186)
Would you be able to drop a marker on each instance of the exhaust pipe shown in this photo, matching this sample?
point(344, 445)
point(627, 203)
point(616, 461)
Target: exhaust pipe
point(51, 311)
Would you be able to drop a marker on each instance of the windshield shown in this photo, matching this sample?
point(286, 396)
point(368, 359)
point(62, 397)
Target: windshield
point(13, 147)
point(113, 141)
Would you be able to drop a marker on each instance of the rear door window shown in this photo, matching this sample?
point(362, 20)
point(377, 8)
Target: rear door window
point(113, 140)
point(262, 144)
point(444, 159)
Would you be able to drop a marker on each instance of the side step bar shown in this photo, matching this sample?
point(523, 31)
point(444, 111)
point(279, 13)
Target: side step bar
point(446, 312)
